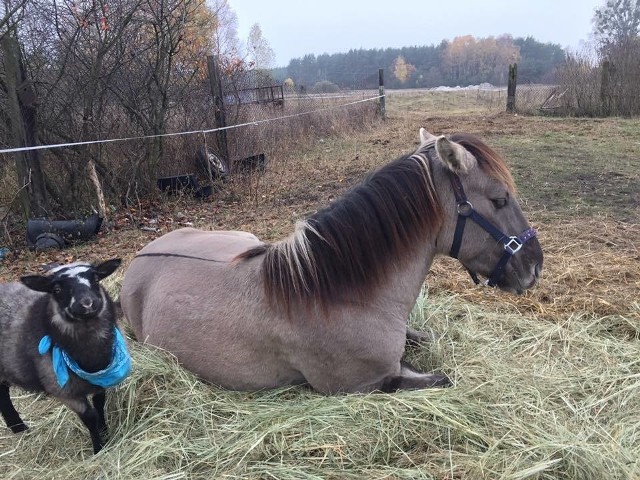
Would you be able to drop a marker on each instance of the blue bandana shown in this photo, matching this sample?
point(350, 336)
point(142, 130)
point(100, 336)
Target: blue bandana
point(113, 374)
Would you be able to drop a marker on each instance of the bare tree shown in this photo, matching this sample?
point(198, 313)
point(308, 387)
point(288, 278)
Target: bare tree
point(109, 69)
point(259, 50)
point(617, 22)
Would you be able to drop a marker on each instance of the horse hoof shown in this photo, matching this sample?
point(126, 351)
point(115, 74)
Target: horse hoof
point(441, 381)
point(416, 338)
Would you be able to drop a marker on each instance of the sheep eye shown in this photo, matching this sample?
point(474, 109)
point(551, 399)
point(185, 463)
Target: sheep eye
point(500, 202)
point(57, 289)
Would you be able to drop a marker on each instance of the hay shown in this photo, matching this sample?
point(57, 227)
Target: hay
point(532, 399)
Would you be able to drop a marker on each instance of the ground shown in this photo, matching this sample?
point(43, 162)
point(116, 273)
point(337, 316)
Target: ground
point(547, 384)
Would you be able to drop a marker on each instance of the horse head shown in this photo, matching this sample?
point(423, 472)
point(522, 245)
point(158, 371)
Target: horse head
point(483, 227)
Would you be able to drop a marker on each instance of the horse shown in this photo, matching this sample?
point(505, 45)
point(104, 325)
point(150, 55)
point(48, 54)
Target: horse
point(327, 307)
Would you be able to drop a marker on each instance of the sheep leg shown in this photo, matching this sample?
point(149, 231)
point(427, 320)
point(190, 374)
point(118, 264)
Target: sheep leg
point(99, 400)
point(9, 413)
point(89, 416)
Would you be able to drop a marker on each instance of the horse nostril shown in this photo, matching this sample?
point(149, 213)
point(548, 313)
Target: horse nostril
point(537, 270)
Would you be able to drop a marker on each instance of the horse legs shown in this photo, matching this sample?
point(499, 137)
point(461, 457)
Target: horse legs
point(412, 379)
point(416, 338)
point(9, 413)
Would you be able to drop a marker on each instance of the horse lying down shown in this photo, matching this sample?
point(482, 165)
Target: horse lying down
point(328, 305)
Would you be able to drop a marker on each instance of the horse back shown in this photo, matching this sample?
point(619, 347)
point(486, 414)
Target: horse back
point(177, 267)
point(217, 245)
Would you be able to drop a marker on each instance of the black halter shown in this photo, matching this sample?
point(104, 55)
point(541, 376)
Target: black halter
point(511, 244)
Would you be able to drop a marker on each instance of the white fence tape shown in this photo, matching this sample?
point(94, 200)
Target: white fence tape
point(112, 140)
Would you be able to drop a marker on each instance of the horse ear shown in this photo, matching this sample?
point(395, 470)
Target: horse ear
point(454, 156)
point(425, 136)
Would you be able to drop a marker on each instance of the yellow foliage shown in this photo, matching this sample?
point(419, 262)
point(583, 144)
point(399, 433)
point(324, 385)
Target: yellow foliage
point(401, 69)
point(198, 39)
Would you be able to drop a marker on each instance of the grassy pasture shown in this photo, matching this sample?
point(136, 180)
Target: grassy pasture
point(547, 384)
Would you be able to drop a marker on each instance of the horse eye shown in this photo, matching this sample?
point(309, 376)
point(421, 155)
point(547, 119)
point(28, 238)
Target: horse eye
point(499, 202)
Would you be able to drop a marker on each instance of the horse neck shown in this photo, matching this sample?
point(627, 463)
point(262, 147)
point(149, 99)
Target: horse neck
point(405, 281)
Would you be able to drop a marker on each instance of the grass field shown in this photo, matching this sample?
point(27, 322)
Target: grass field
point(547, 384)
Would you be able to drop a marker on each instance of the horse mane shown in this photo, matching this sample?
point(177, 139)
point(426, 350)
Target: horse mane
point(346, 250)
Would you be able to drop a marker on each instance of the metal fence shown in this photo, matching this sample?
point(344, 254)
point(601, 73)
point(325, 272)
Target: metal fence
point(530, 99)
point(261, 115)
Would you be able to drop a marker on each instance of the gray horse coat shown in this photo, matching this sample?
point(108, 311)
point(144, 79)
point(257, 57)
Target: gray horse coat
point(327, 306)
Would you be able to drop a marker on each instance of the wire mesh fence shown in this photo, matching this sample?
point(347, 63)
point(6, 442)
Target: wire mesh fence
point(264, 118)
point(530, 99)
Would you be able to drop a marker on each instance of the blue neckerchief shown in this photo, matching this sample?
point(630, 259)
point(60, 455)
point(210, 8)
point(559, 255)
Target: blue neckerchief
point(113, 374)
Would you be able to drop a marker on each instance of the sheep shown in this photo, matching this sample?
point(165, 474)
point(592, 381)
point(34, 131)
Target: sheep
point(58, 335)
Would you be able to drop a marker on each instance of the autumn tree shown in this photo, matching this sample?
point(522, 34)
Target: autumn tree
point(468, 60)
point(401, 69)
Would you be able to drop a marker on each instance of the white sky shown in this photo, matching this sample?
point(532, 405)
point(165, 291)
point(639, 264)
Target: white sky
point(294, 28)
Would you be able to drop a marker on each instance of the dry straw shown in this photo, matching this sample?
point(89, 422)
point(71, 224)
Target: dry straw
point(533, 399)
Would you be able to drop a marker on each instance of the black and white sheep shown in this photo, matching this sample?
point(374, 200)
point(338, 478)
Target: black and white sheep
point(58, 335)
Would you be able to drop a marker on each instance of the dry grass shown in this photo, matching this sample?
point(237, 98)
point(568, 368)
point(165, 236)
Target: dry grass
point(547, 383)
point(548, 400)
point(591, 266)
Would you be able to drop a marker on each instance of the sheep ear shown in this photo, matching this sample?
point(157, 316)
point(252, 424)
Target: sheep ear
point(105, 269)
point(37, 283)
point(455, 156)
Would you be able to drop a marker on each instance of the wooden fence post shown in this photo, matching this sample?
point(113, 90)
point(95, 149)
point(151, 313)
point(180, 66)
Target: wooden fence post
point(383, 109)
point(215, 80)
point(511, 88)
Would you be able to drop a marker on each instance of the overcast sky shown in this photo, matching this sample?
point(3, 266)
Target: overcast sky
point(294, 28)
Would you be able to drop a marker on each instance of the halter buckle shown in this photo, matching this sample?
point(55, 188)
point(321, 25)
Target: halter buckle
point(513, 245)
point(465, 208)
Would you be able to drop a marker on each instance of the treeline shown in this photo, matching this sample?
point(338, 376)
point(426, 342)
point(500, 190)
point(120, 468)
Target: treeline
point(463, 61)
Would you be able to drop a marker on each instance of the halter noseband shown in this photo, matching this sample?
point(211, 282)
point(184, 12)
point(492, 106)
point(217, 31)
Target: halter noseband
point(511, 244)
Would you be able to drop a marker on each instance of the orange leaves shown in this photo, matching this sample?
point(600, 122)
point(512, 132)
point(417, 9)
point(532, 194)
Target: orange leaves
point(401, 69)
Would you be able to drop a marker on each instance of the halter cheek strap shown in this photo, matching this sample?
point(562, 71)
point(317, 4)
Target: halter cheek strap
point(511, 244)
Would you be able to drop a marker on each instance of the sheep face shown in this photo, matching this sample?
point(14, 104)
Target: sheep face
point(75, 288)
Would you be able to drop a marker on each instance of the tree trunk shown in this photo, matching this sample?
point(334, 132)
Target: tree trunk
point(21, 104)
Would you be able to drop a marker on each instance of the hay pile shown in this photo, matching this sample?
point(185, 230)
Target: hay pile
point(533, 399)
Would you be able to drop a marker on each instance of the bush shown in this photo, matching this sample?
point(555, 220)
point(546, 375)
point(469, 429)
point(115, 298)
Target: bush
point(325, 86)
